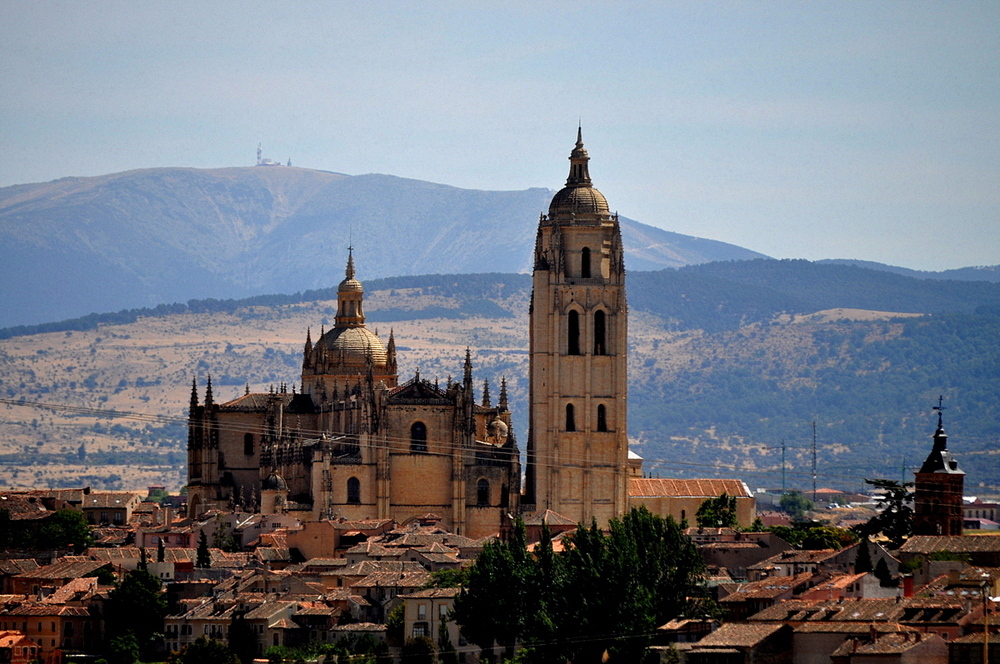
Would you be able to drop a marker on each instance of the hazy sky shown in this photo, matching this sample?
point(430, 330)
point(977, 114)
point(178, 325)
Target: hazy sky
point(816, 130)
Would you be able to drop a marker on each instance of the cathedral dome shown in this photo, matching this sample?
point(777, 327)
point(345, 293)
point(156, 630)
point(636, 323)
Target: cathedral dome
point(274, 482)
point(579, 200)
point(354, 343)
point(579, 195)
point(350, 285)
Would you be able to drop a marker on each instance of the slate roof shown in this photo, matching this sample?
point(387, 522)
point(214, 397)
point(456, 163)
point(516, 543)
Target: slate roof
point(709, 488)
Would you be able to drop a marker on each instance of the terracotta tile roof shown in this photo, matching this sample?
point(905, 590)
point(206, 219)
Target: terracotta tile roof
point(38, 609)
point(359, 627)
point(652, 488)
point(63, 569)
point(77, 588)
point(884, 645)
point(18, 565)
point(844, 627)
point(393, 580)
point(954, 544)
point(551, 518)
point(433, 593)
point(767, 588)
point(366, 567)
point(739, 635)
point(110, 499)
point(793, 556)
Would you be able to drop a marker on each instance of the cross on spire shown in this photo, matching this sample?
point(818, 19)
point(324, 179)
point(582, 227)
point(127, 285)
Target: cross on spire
point(940, 408)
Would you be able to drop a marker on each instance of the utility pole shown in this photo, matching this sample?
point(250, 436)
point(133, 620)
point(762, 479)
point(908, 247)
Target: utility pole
point(782, 466)
point(814, 462)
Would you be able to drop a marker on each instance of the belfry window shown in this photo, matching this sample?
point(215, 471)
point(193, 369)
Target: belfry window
point(573, 335)
point(585, 263)
point(600, 347)
point(248, 444)
point(570, 418)
point(418, 437)
point(483, 493)
point(602, 418)
point(353, 491)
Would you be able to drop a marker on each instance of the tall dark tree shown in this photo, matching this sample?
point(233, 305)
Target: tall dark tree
point(242, 638)
point(161, 551)
point(204, 557)
point(603, 596)
point(137, 606)
point(863, 561)
point(895, 518)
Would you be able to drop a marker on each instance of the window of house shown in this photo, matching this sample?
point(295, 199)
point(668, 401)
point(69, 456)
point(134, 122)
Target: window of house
point(483, 493)
point(585, 263)
point(418, 437)
point(573, 335)
point(104, 517)
point(421, 612)
point(420, 629)
point(248, 444)
point(600, 346)
point(443, 611)
point(570, 418)
point(353, 491)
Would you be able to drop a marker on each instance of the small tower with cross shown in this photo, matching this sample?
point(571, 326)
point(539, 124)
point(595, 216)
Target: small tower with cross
point(940, 483)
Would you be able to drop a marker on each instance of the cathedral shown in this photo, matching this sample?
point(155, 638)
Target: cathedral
point(354, 442)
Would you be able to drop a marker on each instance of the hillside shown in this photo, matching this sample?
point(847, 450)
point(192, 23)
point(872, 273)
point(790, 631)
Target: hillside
point(142, 238)
point(726, 361)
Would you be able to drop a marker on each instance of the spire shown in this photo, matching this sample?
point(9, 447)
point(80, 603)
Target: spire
point(502, 404)
point(486, 393)
point(940, 437)
point(390, 348)
point(208, 393)
point(247, 390)
point(467, 379)
point(309, 341)
point(579, 172)
point(349, 273)
point(194, 394)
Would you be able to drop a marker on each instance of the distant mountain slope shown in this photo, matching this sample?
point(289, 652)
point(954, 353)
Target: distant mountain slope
point(140, 238)
point(726, 362)
point(978, 273)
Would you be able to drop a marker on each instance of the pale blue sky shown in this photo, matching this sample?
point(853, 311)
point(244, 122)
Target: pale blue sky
point(815, 130)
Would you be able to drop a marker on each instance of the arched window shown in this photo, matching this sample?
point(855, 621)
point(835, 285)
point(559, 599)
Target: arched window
point(600, 348)
point(353, 491)
point(574, 333)
point(602, 418)
point(570, 418)
point(483, 493)
point(418, 437)
point(585, 263)
point(248, 444)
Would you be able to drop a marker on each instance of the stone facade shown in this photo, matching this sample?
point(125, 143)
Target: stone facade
point(355, 443)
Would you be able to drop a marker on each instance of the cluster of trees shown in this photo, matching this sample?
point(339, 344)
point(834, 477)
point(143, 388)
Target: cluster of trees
point(599, 600)
point(65, 529)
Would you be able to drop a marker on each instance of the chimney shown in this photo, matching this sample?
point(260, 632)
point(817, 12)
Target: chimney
point(907, 585)
point(872, 632)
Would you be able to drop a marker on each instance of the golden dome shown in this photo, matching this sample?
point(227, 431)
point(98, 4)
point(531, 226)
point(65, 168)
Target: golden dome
point(579, 200)
point(354, 343)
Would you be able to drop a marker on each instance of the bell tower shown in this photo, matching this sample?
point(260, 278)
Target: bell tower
point(577, 443)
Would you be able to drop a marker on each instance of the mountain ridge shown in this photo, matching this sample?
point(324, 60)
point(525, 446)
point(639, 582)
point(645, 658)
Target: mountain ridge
point(143, 237)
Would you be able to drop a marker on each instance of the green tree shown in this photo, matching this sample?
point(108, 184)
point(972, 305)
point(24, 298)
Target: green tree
point(448, 578)
point(446, 649)
point(605, 594)
point(242, 638)
point(137, 606)
point(795, 505)
point(161, 550)
point(419, 650)
point(717, 512)
point(123, 649)
point(204, 557)
point(895, 518)
point(207, 651)
point(394, 624)
point(65, 528)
